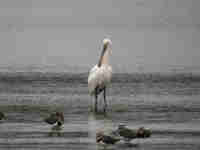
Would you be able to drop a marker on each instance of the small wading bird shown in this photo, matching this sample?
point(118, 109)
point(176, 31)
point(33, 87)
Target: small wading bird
point(55, 118)
point(130, 134)
point(106, 139)
point(100, 75)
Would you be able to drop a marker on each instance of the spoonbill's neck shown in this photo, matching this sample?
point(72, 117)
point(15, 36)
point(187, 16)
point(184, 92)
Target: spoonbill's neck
point(104, 58)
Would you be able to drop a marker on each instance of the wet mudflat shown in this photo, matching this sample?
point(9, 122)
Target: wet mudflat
point(171, 109)
point(24, 127)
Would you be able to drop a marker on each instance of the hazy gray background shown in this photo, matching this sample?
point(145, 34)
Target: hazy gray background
point(147, 35)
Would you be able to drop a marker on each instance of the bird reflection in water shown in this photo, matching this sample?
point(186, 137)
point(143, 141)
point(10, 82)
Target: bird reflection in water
point(56, 130)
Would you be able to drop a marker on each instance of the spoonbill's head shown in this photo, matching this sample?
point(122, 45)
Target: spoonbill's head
point(107, 44)
point(107, 41)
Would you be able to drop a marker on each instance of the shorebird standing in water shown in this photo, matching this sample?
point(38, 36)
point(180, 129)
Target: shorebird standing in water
point(56, 119)
point(100, 75)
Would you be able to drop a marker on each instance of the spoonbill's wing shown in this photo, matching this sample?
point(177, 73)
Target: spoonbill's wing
point(99, 76)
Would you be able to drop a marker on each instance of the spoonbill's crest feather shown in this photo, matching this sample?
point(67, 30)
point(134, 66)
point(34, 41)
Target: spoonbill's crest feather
point(107, 41)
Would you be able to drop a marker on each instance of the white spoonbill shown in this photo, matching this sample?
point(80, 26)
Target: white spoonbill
point(100, 75)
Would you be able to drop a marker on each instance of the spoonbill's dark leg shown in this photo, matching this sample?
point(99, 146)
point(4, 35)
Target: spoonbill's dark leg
point(105, 102)
point(96, 97)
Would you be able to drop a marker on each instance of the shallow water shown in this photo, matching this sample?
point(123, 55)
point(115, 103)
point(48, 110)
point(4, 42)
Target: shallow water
point(170, 107)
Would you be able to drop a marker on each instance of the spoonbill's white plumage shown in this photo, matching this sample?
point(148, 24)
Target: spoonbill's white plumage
point(100, 75)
